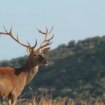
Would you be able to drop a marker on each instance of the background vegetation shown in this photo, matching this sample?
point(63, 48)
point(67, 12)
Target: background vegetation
point(75, 70)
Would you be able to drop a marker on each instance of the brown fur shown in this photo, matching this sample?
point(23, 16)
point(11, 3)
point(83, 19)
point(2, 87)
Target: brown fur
point(13, 81)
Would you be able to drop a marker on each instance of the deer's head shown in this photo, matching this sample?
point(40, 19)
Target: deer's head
point(37, 54)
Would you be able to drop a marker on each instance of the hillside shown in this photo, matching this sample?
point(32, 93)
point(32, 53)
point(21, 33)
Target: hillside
point(76, 69)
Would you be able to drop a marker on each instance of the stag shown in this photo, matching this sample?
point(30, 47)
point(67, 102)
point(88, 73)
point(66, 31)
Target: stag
point(13, 80)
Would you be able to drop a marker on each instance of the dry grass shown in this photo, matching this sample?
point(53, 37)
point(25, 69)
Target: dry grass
point(48, 100)
point(59, 101)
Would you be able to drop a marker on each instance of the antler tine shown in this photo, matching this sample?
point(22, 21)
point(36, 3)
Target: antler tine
point(34, 44)
point(46, 41)
point(50, 38)
point(47, 44)
point(6, 29)
point(45, 33)
point(9, 33)
point(51, 30)
point(4, 32)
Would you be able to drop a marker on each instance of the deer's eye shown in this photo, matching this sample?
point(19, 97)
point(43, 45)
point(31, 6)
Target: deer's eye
point(40, 57)
point(35, 55)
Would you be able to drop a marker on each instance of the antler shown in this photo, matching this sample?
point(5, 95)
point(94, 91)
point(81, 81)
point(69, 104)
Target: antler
point(46, 41)
point(9, 33)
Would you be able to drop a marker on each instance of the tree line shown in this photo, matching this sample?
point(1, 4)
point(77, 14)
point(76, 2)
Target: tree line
point(75, 70)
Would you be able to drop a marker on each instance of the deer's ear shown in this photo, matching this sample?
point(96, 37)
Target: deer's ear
point(46, 50)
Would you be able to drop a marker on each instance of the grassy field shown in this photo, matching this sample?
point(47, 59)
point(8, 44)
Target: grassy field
point(47, 99)
point(57, 101)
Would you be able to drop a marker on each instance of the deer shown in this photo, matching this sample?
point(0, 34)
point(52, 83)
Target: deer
point(13, 80)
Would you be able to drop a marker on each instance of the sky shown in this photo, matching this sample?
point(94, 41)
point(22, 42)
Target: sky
point(71, 19)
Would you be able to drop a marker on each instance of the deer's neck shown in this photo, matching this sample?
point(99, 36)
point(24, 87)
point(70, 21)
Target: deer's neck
point(30, 68)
